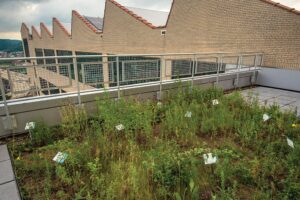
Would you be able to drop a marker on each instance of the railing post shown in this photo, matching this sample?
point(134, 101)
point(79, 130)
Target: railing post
point(253, 78)
point(77, 79)
point(11, 84)
point(105, 70)
point(37, 81)
point(220, 63)
point(161, 77)
point(118, 77)
point(57, 67)
point(240, 61)
point(262, 60)
point(195, 63)
point(3, 95)
point(83, 73)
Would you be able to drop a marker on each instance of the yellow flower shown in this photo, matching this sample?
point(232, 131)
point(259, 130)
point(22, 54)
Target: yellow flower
point(294, 125)
point(18, 158)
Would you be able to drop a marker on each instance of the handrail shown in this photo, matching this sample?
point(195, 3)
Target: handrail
point(131, 55)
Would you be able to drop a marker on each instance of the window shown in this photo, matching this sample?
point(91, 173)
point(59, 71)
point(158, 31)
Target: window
point(89, 73)
point(49, 52)
point(39, 53)
point(95, 59)
point(64, 53)
point(26, 47)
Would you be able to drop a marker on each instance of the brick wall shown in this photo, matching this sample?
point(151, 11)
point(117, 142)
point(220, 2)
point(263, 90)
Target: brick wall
point(193, 26)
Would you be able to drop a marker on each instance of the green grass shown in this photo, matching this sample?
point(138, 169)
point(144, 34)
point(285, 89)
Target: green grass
point(159, 154)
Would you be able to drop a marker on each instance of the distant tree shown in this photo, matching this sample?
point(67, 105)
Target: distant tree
point(10, 45)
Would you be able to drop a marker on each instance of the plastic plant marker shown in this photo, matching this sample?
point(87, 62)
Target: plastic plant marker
point(29, 126)
point(159, 104)
point(188, 114)
point(215, 102)
point(60, 157)
point(209, 159)
point(266, 117)
point(120, 127)
point(290, 143)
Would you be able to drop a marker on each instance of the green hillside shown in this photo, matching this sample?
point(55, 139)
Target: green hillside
point(10, 45)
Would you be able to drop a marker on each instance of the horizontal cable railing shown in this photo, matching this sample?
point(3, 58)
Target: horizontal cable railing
point(24, 78)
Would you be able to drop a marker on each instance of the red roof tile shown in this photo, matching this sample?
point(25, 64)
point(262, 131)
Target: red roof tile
point(46, 29)
point(34, 30)
point(61, 26)
point(293, 10)
point(139, 18)
point(92, 27)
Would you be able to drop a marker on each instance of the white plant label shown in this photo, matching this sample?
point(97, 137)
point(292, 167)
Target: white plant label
point(266, 117)
point(290, 143)
point(159, 104)
point(120, 127)
point(188, 114)
point(209, 159)
point(60, 157)
point(29, 126)
point(215, 102)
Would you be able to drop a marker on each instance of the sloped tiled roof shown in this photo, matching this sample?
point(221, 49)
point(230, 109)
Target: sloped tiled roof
point(152, 18)
point(37, 31)
point(95, 21)
point(158, 19)
point(87, 22)
point(64, 29)
point(282, 5)
point(139, 18)
point(68, 26)
point(155, 17)
point(47, 29)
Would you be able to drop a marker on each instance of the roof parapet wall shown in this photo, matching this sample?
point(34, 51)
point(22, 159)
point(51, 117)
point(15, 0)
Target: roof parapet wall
point(86, 22)
point(279, 5)
point(139, 18)
point(55, 20)
point(43, 26)
point(131, 13)
point(34, 31)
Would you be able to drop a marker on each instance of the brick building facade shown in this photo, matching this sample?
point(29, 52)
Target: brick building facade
point(191, 26)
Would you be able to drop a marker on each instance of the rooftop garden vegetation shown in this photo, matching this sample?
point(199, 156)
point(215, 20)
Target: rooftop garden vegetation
point(154, 150)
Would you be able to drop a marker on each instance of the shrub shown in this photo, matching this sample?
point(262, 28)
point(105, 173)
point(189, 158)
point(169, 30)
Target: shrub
point(136, 117)
point(41, 135)
point(74, 121)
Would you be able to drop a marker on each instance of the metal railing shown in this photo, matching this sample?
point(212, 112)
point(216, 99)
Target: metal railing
point(24, 78)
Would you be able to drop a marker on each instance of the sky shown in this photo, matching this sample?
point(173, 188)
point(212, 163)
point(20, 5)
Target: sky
point(32, 12)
